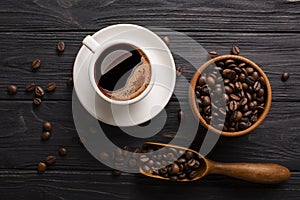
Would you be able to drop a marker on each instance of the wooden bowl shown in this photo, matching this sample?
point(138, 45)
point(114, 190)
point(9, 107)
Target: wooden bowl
point(193, 103)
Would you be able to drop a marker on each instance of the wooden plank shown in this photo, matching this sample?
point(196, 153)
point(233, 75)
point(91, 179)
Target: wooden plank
point(220, 15)
point(275, 53)
point(276, 140)
point(101, 185)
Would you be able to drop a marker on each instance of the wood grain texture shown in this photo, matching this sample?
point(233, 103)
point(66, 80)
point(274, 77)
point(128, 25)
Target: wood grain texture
point(275, 53)
point(101, 185)
point(275, 141)
point(246, 15)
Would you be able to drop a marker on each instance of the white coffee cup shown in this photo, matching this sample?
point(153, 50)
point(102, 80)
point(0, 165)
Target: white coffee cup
point(97, 49)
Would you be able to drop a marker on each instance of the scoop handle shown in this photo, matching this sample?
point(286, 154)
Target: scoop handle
point(252, 172)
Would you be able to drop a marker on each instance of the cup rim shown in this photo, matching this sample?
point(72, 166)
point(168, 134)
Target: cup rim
point(193, 104)
point(94, 59)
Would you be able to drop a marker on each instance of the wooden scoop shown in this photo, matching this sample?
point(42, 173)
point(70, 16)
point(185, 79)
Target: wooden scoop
point(252, 172)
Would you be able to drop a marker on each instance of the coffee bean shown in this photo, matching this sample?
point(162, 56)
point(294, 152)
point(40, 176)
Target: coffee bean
point(39, 91)
point(229, 74)
point(213, 54)
point(36, 63)
point(132, 163)
point(220, 64)
point(193, 175)
point(144, 158)
point(201, 80)
point(41, 167)
point(228, 89)
point(233, 106)
point(229, 62)
point(285, 76)
point(30, 87)
point(104, 156)
point(12, 89)
point(70, 82)
point(243, 125)
point(174, 169)
point(210, 81)
point(45, 136)
point(179, 71)
point(250, 80)
point(206, 101)
point(37, 101)
point(261, 92)
point(50, 160)
point(189, 155)
point(257, 86)
point(235, 50)
point(191, 162)
point(51, 87)
point(166, 39)
point(118, 152)
point(47, 126)
point(235, 97)
point(62, 151)
point(61, 46)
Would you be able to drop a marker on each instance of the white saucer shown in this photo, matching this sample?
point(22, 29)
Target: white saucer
point(150, 105)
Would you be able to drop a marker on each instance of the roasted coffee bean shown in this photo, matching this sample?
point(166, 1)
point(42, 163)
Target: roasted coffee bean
point(235, 50)
point(189, 155)
point(70, 82)
point(229, 62)
point(174, 169)
point(166, 39)
point(132, 163)
point(163, 171)
point(62, 151)
point(47, 126)
point(210, 81)
point(250, 80)
point(37, 101)
point(201, 81)
point(206, 101)
point(180, 115)
point(179, 71)
point(144, 158)
point(233, 106)
point(36, 63)
point(285, 76)
point(242, 77)
point(213, 54)
point(173, 178)
point(260, 92)
point(61, 46)
point(191, 162)
point(229, 74)
point(41, 167)
point(207, 110)
point(220, 64)
point(257, 86)
point(244, 101)
point(12, 89)
point(181, 176)
point(235, 97)
point(241, 65)
point(104, 156)
point(249, 70)
point(50, 160)
point(45, 136)
point(228, 89)
point(193, 175)
point(243, 125)
point(51, 87)
point(118, 152)
point(30, 87)
point(39, 91)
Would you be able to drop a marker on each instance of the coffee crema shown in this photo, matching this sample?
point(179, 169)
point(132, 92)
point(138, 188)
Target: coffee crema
point(122, 72)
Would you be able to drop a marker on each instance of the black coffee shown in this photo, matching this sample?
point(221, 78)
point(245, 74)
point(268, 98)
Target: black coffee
point(122, 72)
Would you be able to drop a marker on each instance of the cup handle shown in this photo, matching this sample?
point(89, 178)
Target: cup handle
point(90, 43)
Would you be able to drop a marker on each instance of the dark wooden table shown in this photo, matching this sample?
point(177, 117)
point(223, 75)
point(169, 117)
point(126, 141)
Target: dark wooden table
point(268, 32)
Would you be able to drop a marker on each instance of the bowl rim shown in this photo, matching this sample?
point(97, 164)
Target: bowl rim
point(193, 104)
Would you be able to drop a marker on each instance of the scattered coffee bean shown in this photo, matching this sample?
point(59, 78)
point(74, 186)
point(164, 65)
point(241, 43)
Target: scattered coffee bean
point(50, 160)
point(47, 126)
point(62, 151)
point(41, 167)
point(51, 87)
point(235, 50)
point(36, 63)
point(39, 91)
point(45, 136)
point(166, 39)
point(285, 76)
point(70, 82)
point(213, 54)
point(61, 46)
point(30, 87)
point(179, 71)
point(12, 89)
point(37, 101)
